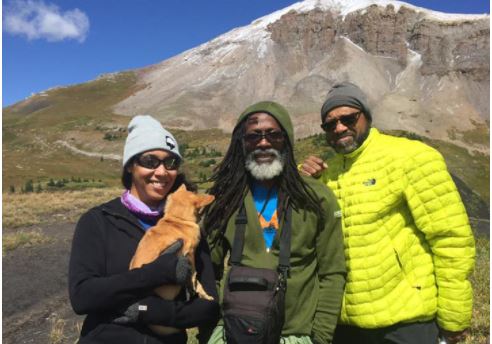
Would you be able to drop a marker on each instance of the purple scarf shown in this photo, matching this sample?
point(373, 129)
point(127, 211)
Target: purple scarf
point(141, 209)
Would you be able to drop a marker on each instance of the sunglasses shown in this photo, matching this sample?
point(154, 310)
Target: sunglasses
point(347, 120)
point(271, 136)
point(152, 162)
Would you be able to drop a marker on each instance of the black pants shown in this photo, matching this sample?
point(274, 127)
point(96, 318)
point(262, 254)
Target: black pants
point(411, 333)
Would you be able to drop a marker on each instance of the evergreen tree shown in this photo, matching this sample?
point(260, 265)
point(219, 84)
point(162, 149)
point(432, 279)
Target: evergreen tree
point(29, 187)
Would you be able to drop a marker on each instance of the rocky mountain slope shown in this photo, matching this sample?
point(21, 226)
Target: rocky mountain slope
point(424, 71)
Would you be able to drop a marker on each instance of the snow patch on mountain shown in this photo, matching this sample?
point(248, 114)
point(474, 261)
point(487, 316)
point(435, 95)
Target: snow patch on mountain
point(257, 30)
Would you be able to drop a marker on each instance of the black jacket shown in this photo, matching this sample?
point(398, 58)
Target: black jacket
point(101, 286)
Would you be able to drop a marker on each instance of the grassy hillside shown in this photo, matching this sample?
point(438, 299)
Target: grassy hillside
point(79, 115)
point(72, 134)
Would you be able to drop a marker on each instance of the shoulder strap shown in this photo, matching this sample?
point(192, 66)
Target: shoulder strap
point(285, 239)
point(285, 236)
point(238, 244)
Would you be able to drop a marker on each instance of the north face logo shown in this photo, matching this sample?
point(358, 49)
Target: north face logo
point(369, 182)
point(170, 142)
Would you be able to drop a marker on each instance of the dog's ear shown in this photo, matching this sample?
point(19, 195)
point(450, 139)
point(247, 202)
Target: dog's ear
point(182, 188)
point(203, 200)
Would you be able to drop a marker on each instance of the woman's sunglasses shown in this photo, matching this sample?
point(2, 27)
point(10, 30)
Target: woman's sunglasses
point(152, 162)
point(347, 120)
point(271, 136)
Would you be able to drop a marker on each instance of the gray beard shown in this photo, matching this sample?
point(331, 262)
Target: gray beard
point(265, 171)
point(346, 148)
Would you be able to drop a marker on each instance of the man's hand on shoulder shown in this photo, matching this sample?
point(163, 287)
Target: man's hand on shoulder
point(313, 166)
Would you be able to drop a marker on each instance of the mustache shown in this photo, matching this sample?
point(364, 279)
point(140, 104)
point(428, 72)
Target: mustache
point(271, 151)
point(345, 134)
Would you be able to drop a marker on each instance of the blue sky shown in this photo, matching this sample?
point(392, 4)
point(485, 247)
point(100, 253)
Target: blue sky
point(61, 42)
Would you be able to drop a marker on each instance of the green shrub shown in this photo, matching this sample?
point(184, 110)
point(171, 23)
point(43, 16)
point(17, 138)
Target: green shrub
point(207, 163)
point(28, 187)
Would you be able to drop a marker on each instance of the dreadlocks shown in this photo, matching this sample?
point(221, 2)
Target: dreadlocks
point(231, 184)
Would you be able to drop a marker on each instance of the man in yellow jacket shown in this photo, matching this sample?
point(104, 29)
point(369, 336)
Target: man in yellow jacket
point(408, 243)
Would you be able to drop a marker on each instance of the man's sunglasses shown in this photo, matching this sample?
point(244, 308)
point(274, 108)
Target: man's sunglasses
point(347, 120)
point(152, 162)
point(271, 136)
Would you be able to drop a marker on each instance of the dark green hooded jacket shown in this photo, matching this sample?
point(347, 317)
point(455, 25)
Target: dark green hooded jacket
point(315, 286)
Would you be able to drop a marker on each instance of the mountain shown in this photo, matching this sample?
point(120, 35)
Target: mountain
point(425, 72)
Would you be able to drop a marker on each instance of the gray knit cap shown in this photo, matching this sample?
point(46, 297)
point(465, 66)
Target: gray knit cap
point(345, 94)
point(146, 133)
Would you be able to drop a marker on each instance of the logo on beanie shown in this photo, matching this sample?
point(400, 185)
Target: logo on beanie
point(170, 142)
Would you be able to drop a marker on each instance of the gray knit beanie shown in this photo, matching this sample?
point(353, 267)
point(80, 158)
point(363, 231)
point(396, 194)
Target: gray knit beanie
point(345, 94)
point(146, 133)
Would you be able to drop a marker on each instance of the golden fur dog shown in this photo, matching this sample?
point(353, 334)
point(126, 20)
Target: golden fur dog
point(178, 222)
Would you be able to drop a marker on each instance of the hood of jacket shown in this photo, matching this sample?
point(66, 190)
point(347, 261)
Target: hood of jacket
point(275, 110)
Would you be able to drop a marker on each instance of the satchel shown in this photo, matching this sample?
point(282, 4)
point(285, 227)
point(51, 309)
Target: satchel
point(254, 298)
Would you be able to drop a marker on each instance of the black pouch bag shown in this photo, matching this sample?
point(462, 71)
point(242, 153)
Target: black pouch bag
point(254, 298)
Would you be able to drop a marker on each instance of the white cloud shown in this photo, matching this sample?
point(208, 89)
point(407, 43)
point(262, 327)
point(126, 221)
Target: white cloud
point(39, 20)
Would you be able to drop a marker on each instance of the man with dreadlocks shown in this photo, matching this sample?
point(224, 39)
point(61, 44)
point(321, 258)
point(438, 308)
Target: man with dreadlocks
point(259, 172)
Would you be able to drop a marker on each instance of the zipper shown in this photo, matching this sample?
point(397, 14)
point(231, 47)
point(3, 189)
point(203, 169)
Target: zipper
point(405, 274)
point(342, 193)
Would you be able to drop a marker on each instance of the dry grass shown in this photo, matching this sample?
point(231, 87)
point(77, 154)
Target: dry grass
point(480, 327)
point(192, 332)
point(21, 239)
point(45, 207)
point(57, 330)
point(62, 331)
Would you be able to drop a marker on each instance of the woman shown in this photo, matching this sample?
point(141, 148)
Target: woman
point(120, 303)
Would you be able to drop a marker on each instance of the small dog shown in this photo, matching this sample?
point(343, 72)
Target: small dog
point(178, 222)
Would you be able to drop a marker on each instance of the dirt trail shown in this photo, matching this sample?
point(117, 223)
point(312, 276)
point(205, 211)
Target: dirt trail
point(34, 286)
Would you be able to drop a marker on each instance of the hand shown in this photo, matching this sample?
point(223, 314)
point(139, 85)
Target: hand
point(454, 337)
point(169, 269)
point(149, 310)
point(174, 247)
point(183, 265)
point(183, 270)
point(130, 316)
point(313, 166)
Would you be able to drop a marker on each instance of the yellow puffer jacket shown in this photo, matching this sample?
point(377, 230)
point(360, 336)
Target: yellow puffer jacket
point(408, 244)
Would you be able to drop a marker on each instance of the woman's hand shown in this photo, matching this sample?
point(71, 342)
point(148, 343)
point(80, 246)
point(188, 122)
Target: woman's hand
point(151, 309)
point(157, 311)
point(183, 265)
point(168, 268)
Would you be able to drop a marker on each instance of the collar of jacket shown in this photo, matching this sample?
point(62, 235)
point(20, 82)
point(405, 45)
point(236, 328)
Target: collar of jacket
point(373, 132)
point(122, 218)
point(255, 231)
